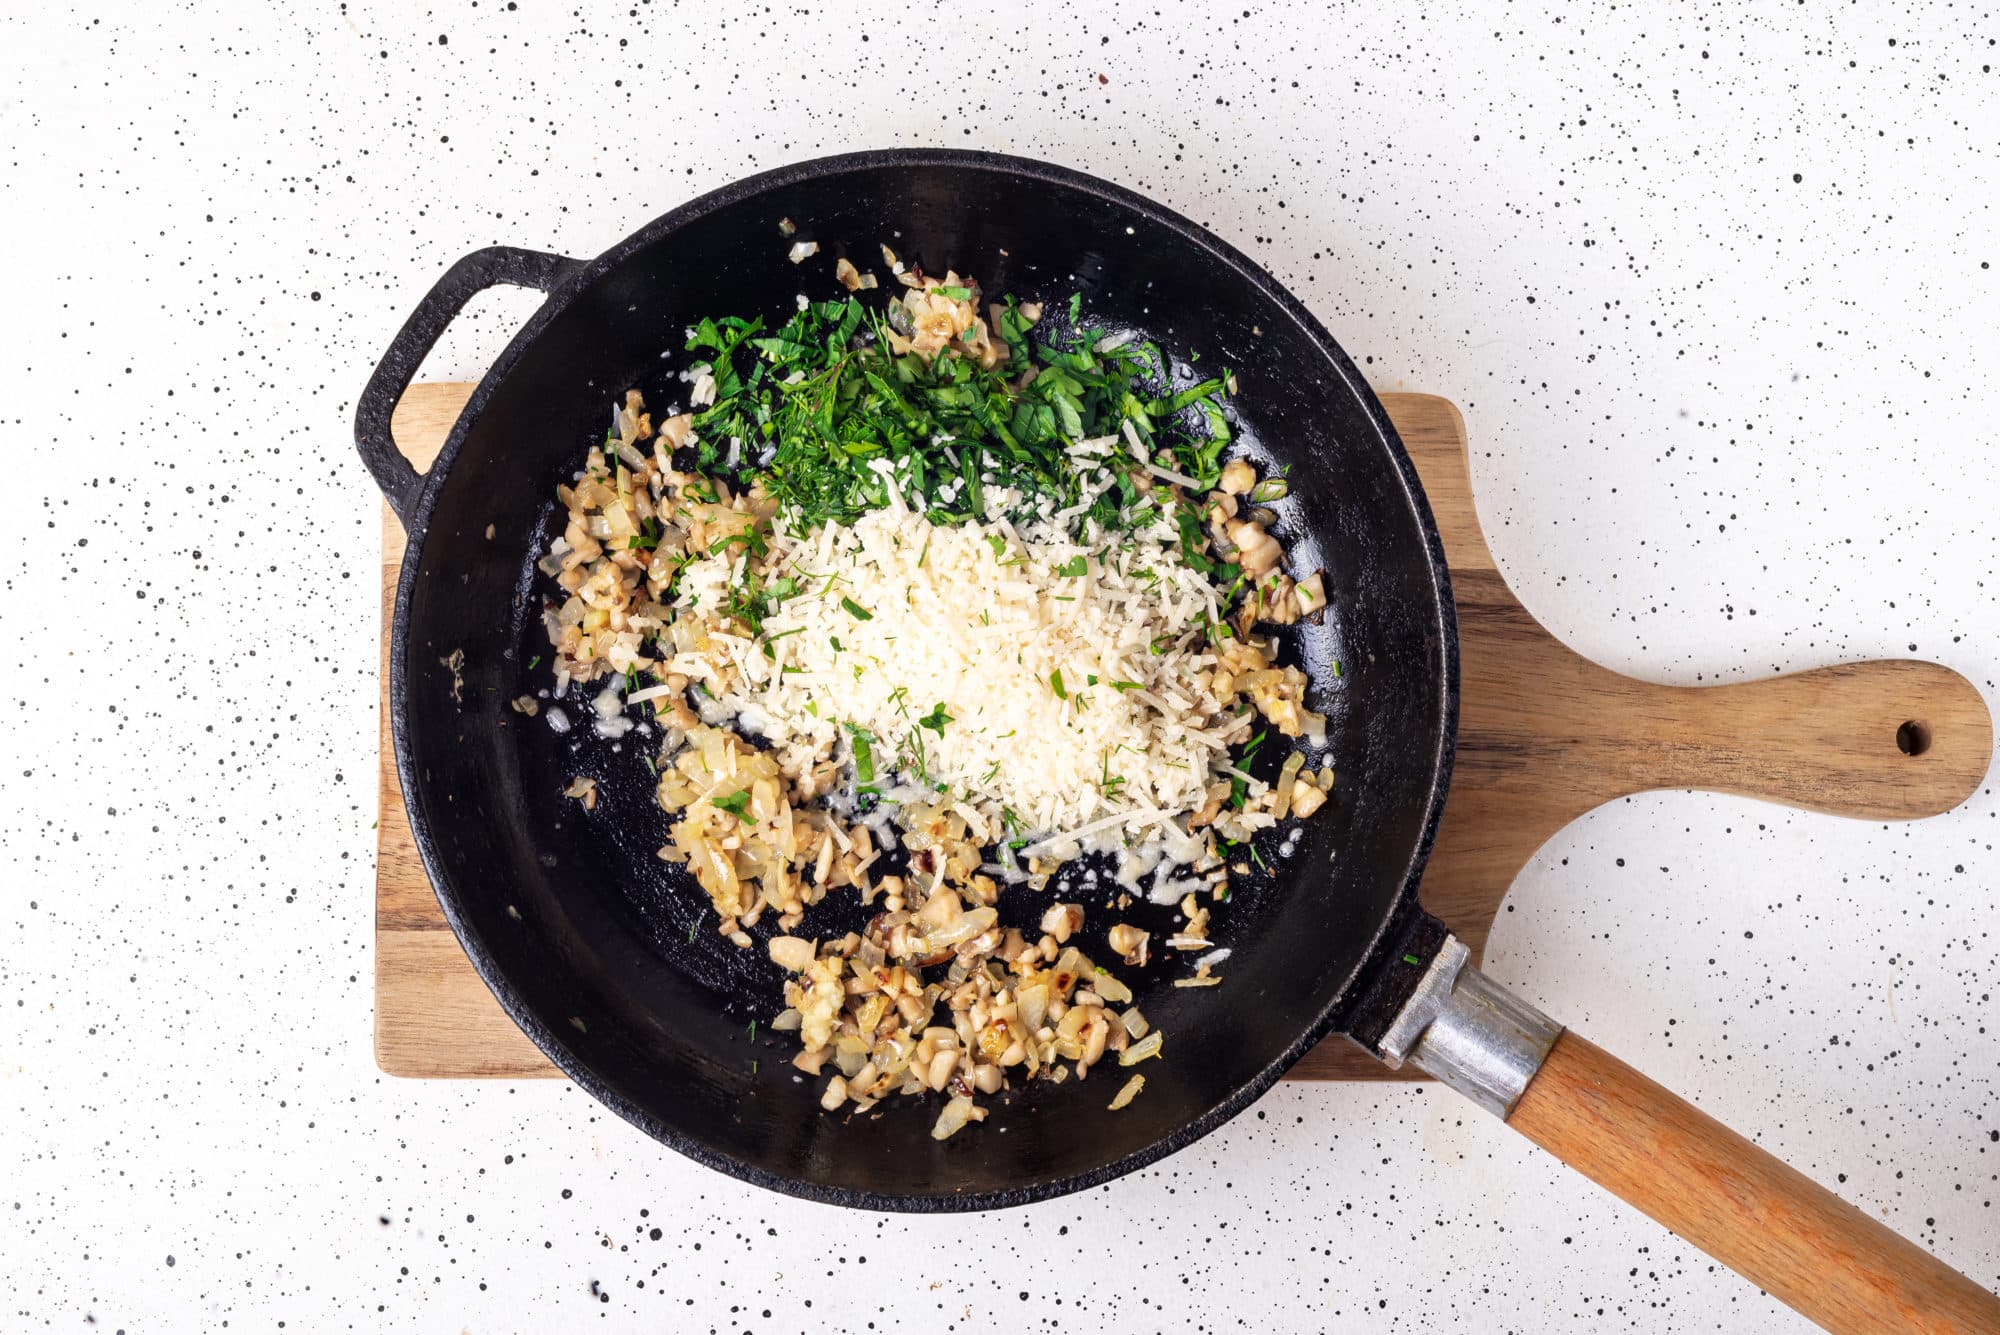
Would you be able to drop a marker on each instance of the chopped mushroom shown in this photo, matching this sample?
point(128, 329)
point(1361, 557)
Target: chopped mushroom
point(1311, 594)
point(1130, 943)
point(1238, 477)
point(1256, 550)
point(1062, 920)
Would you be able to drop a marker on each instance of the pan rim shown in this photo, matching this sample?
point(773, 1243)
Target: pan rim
point(444, 885)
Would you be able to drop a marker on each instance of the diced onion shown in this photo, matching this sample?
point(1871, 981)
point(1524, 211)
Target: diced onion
point(1149, 1046)
point(1108, 985)
point(791, 952)
point(1281, 804)
point(1032, 1004)
point(953, 1119)
point(967, 927)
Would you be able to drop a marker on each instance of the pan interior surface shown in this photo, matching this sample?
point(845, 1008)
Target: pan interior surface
point(608, 956)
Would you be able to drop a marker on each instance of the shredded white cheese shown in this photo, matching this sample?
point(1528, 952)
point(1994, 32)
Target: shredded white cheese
point(1069, 669)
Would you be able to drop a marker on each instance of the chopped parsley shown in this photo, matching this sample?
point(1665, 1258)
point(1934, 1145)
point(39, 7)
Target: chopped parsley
point(864, 753)
point(1239, 792)
point(828, 403)
point(648, 536)
point(856, 610)
point(735, 804)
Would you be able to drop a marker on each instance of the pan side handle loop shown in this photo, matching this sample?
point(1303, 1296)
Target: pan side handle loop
point(1833, 1263)
point(494, 266)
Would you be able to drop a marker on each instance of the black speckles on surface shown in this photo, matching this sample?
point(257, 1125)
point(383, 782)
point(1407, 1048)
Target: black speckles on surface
point(1757, 372)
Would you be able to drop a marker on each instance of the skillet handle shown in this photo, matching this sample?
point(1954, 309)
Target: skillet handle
point(1766, 1221)
point(491, 267)
point(1763, 1219)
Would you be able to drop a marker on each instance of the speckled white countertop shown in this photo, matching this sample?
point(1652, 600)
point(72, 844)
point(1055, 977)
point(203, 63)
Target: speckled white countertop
point(1712, 282)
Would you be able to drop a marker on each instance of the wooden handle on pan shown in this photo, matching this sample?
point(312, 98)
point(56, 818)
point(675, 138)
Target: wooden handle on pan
point(1769, 1223)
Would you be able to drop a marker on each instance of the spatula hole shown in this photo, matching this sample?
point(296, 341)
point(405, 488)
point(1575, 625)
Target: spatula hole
point(1913, 738)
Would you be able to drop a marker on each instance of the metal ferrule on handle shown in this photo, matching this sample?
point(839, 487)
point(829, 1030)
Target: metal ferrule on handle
point(1469, 1033)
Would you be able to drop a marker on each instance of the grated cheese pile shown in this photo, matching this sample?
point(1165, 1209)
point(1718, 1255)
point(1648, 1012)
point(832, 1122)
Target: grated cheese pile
point(1047, 681)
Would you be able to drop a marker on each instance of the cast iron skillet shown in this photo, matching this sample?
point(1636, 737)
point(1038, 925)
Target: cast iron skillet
point(608, 959)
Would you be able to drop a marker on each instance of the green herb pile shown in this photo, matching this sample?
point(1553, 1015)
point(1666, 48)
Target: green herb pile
point(823, 398)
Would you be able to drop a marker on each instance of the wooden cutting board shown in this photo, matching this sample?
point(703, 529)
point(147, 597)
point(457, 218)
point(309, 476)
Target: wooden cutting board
point(1544, 736)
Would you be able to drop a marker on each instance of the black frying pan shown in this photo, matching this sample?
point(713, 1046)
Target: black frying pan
point(608, 958)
